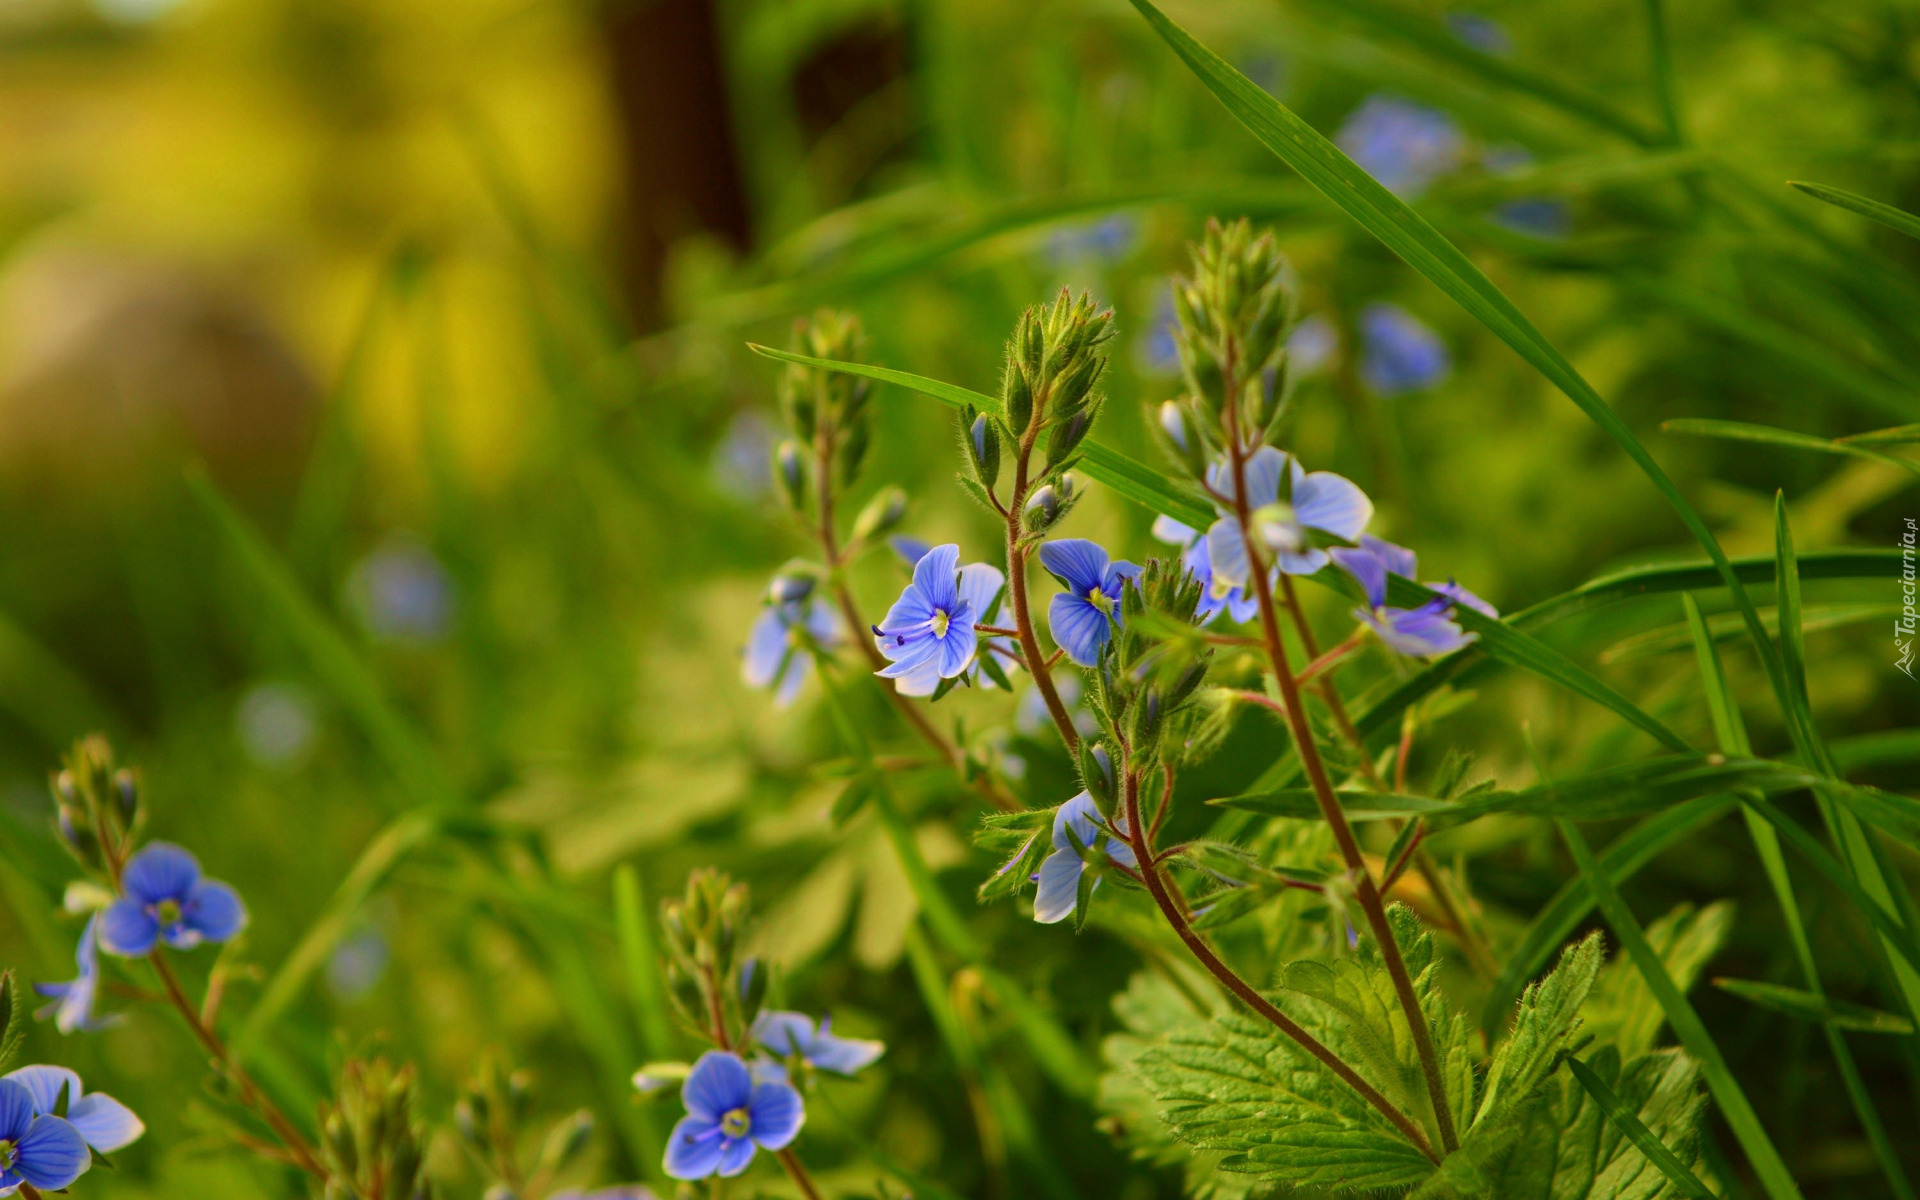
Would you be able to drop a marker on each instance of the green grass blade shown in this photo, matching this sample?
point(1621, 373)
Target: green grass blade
point(1741, 431)
point(1404, 232)
point(1727, 627)
point(1687, 1026)
point(1637, 1132)
point(1125, 475)
point(633, 928)
point(329, 654)
point(46, 695)
point(1562, 915)
point(1886, 214)
point(1815, 1008)
point(372, 869)
point(1666, 92)
point(1899, 435)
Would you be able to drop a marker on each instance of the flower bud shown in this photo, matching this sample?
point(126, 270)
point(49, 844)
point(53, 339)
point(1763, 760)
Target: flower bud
point(791, 587)
point(983, 450)
point(564, 1142)
point(1016, 393)
point(1173, 423)
point(127, 790)
point(790, 472)
point(1043, 509)
point(882, 513)
point(1067, 436)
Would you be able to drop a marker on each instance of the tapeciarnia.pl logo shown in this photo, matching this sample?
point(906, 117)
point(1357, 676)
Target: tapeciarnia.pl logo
point(1904, 624)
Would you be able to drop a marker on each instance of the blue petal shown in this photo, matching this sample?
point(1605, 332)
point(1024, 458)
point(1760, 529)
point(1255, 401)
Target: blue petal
point(160, 871)
point(910, 549)
point(979, 584)
point(1078, 628)
point(910, 617)
point(823, 622)
point(16, 1110)
point(1263, 477)
point(1227, 551)
point(1368, 569)
point(767, 646)
point(127, 930)
point(957, 647)
point(1418, 633)
point(1172, 532)
point(1118, 576)
point(214, 911)
point(1079, 565)
point(52, 1155)
point(935, 575)
point(105, 1123)
point(1398, 559)
point(1307, 562)
point(784, 1032)
point(1081, 815)
point(798, 669)
point(736, 1155)
point(1059, 887)
point(718, 1084)
point(1460, 595)
point(917, 672)
point(693, 1148)
point(1331, 502)
point(775, 1115)
point(844, 1056)
point(43, 1084)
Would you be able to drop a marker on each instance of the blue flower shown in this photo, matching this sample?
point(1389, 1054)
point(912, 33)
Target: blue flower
point(1320, 501)
point(1535, 216)
point(72, 1007)
point(1158, 349)
point(1311, 346)
point(791, 1033)
point(1106, 240)
point(1060, 874)
point(1425, 632)
point(36, 1148)
point(1484, 34)
point(1199, 563)
point(1404, 145)
point(163, 897)
point(728, 1115)
point(980, 585)
point(1402, 354)
point(928, 633)
point(1083, 617)
point(910, 549)
point(106, 1124)
point(776, 654)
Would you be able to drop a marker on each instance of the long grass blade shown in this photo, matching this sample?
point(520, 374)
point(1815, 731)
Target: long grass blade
point(1630, 1124)
point(1687, 1026)
point(638, 954)
point(1886, 214)
point(1742, 431)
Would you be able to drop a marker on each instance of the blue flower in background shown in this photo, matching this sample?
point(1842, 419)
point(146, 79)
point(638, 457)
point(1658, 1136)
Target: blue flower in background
point(1482, 33)
point(1158, 349)
point(729, 1115)
point(106, 1124)
point(1083, 617)
point(1060, 874)
point(1402, 354)
point(928, 633)
point(1311, 346)
point(1425, 632)
point(1404, 145)
point(1106, 240)
point(776, 654)
point(1535, 216)
point(72, 1007)
point(1199, 563)
point(1030, 715)
point(740, 459)
point(1320, 501)
point(37, 1149)
point(163, 898)
point(910, 549)
point(790, 1033)
point(402, 592)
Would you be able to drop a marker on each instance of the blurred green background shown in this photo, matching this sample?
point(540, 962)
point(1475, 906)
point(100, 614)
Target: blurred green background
point(378, 437)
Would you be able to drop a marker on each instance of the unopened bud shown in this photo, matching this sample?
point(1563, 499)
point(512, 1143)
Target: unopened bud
point(128, 790)
point(1173, 423)
point(790, 587)
point(1043, 509)
point(790, 471)
point(882, 513)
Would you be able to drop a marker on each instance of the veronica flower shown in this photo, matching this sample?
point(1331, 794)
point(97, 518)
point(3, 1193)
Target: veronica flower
point(791, 1033)
point(106, 1124)
point(1060, 874)
point(1404, 145)
point(1482, 33)
point(1425, 632)
point(729, 1115)
point(1083, 617)
point(1402, 354)
point(1321, 501)
point(910, 549)
point(980, 583)
point(72, 1007)
point(776, 654)
point(163, 898)
point(1199, 564)
point(36, 1148)
point(928, 633)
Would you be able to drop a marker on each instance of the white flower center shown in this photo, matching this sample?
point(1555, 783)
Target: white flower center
point(941, 619)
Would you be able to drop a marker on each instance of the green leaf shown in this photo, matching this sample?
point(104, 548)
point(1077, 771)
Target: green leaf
point(1623, 1010)
point(1741, 431)
point(633, 929)
point(1127, 476)
point(10, 1018)
point(1629, 1123)
point(1819, 1010)
point(1687, 1026)
point(1886, 214)
point(1899, 435)
point(1548, 1013)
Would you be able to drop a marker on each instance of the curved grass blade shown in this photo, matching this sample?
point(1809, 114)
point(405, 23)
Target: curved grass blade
point(1742, 431)
point(1725, 627)
point(1687, 1026)
point(1886, 214)
point(1899, 435)
point(1815, 1008)
point(1629, 1123)
point(1556, 922)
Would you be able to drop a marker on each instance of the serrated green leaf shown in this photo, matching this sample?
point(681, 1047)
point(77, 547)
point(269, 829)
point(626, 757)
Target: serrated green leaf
point(1819, 1010)
point(1629, 1123)
point(1623, 1010)
point(1893, 218)
point(1548, 1013)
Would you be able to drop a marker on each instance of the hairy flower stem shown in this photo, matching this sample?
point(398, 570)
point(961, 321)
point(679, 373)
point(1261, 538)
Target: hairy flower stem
point(249, 1094)
point(952, 754)
point(1173, 907)
point(1366, 891)
point(1477, 951)
point(1017, 587)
